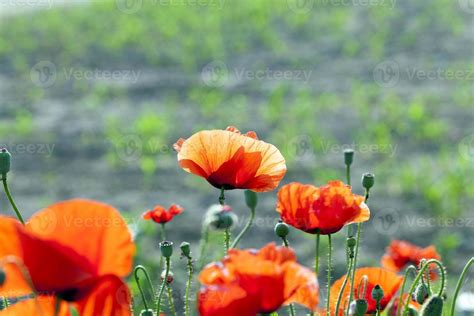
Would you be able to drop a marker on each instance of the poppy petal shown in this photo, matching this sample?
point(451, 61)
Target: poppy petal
point(108, 244)
point(301, 286)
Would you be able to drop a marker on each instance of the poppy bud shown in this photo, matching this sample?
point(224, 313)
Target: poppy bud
point(170, 277)
point(361, 307)
point(412, 311)
point(185, 249)
point(146, 312)
point(221, 218)
point(351, 243)
point(421, 293)
point(377, 293)
point(432, 307)
point(166, 248)
point(348, 156)
point(281, 229)
point(5, 159)
point(251, 199)
point(3, 303)
point(368, 180)
point(3, 276)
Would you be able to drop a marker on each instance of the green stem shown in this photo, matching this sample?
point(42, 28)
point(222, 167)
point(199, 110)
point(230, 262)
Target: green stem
point(57, 306)
point(10, 198)
point(402, 289)
point(316, 256)
point(170, 300)
point(162, 287)
point(459, 284)
point(291, 308)
point(354, 265)
point(137, 281)
point(418, 277)
point(328, 301)
point(222, 197)
point(188, 285)
point(348, 174)
point(226, 240)
point(246, 228)
point(163, 238)
point(344, 283)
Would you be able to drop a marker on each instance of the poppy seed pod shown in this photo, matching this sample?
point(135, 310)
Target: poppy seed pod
point(251, 199)
point(185, 249)
point(348, 156)
point(147, 312)
point(281, 229)
point(421, 293)
point(377, 293)
point(361, 307)
point(368, 180)
point(5, 160)
point(3, 277)
point(166, 248)
point(432, 307)
point(170, 277)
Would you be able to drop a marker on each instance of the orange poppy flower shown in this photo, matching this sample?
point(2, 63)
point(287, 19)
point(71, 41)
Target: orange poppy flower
point(247, 282)
point(76, 250)
point(231, 160)
point(388, 281)
point(162, 216)
point(402, 253)
point(325, 209)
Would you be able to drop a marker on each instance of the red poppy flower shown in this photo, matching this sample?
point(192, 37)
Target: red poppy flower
point(388, 281)
point(325, 209)
point(247, 282)
point(76, 250)
point(402, 253)
point(162, 216)
point(392, 310)
point(231, 160)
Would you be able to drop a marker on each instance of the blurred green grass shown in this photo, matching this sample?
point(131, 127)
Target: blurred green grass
point(92, 122)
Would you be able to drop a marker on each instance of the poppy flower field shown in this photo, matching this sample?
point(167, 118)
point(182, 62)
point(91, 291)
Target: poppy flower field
point(78, 264)
point(236, 157)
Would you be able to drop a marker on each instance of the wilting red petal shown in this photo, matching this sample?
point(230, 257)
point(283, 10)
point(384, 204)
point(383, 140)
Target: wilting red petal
point(231, 160)
point(107, 242)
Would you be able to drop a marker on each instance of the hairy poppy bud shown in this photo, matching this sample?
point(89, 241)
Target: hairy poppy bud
point(220, 217)
point(3, 303)
point(281, 229)
point(251, 199)
point(348, 156)
point(185, 249)
point(147, 312)
point(351, 243)
point(368, 180)
point(170, 277)
point(361, 307)
point(5, 159)
point(166, 248)
point(377, 293)
point(3, 277)
point(421, 293)
point(432, 307)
